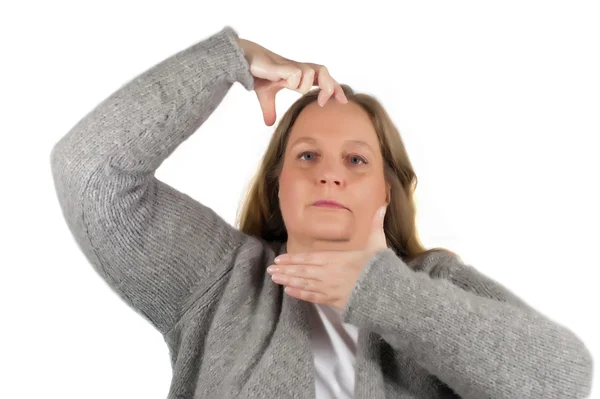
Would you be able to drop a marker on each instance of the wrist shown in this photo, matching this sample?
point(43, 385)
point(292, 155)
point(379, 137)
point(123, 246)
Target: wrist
point(245, 47)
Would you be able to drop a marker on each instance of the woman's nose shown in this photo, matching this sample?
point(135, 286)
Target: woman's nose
point(330, 174)
point(333, 180)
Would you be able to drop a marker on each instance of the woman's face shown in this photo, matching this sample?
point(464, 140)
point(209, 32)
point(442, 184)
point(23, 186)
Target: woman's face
point(332, 154)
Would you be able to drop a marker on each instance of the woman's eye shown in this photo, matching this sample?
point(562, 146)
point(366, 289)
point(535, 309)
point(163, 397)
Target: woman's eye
point(356, 157)
point(306, 153)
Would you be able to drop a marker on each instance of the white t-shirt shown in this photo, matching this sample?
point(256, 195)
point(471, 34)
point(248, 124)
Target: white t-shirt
point(334, 351)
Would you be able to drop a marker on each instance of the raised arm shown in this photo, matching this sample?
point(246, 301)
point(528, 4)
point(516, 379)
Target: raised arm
point(151, 243)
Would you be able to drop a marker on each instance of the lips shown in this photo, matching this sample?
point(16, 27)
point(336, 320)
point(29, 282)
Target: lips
point(329, 204)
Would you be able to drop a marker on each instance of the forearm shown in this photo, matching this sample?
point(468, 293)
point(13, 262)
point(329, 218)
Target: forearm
point(480, 347)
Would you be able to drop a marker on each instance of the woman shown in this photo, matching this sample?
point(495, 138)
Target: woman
point(367, 313)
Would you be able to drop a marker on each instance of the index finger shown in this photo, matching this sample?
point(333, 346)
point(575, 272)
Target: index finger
point(306, 258)
point(329, 86)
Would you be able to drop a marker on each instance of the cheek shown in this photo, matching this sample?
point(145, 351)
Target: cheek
point(369, 191)
point(367, 197)
point(291, 192)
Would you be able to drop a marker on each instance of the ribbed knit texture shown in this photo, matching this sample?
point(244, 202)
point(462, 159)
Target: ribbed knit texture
point(432, 328)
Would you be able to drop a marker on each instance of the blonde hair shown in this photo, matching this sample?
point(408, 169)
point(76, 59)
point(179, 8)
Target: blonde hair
point(260, 215)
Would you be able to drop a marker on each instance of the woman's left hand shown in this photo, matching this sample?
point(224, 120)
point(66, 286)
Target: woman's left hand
point(327, 277)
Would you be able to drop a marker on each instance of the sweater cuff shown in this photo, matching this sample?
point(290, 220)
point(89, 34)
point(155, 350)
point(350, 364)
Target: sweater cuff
point(231, 54)
point(370, 299)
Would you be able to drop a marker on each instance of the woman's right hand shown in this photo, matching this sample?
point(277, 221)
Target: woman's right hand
point(273, 72)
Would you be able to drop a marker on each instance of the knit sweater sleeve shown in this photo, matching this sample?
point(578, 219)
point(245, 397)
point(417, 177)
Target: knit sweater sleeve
point(151, 243)
point(472, 333)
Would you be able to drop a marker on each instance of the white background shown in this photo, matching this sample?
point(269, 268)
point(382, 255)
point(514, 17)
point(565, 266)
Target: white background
point(498, 104)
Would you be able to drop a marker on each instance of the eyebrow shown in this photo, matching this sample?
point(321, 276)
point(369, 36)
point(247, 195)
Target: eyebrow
point(312, 140)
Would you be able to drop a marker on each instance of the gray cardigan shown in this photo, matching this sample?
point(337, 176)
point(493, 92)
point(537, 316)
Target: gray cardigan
point(430, 328)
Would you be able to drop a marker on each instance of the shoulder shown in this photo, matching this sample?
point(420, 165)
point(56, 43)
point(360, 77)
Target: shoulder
point(437, 263)
point(256, 249)
point(447, 266)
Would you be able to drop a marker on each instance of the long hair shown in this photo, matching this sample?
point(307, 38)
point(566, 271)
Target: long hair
point(260, 215)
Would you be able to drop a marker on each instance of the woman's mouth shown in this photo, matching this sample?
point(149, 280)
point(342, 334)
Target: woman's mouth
point(329, 204)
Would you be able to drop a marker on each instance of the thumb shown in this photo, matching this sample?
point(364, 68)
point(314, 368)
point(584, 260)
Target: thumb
point(266, 100)
point(377, 238)
point(269, 80)
point(266, 97)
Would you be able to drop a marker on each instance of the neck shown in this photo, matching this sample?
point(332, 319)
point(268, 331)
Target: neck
point(295, 245)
